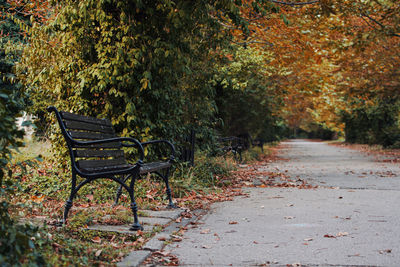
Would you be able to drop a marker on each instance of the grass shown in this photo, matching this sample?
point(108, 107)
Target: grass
point(31, 150)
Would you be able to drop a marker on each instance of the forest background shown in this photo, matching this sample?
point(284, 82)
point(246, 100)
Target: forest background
point(262, 69)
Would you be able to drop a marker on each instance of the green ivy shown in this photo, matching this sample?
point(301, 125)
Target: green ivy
point(245, 96)
point(144, 64)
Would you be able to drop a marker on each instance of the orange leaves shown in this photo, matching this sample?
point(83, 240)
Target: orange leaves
point(39, 9)
point(37, 199)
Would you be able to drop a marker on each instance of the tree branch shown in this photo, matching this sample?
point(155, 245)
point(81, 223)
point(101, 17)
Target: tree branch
point(378, 23)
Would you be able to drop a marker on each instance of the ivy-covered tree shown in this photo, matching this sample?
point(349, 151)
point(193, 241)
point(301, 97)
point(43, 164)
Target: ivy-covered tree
point(132, 61)
point(246, 96)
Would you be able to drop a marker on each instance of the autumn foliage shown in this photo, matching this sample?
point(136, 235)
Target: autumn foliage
point(264, 69)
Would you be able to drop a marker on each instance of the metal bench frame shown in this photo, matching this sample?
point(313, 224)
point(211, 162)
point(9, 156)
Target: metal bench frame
point(231, 144)
point(96, 152)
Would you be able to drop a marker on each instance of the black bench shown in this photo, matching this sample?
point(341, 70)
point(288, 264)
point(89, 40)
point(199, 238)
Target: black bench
point(96, 152)
point(231, 144)
point(259, 142)
point(187, 150)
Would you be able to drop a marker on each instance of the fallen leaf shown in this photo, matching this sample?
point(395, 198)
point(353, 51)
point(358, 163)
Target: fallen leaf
point(217, 237)
point(308, 239)
point(385, 251)
point(205, 246)
point(98, 252)
point(233, 222)
point(115, 245)
point(329, 236)
point(37, 199)
point(255, 242)
point(205, 231)
point(355, 255)
point(97, 240)
point(161, 253)
point(56, 245)
point(342, 234)
point(162, 238)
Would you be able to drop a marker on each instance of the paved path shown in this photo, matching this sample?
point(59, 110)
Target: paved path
point(352, 219)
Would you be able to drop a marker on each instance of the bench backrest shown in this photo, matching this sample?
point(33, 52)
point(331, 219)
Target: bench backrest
point(91, 158)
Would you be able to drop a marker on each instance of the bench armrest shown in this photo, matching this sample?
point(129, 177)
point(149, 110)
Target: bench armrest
point(133, 143)
point(171, 146)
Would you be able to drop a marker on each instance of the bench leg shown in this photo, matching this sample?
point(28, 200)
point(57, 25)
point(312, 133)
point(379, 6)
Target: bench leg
point(165, 177)
point(136, 225)
point(68, 203)
point(68, 206)
point(119, 192)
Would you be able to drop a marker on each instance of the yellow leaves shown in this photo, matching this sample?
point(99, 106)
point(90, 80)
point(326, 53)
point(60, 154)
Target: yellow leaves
point(144, 83)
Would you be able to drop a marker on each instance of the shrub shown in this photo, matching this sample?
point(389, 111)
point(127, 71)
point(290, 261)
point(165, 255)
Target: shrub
point(374, 124)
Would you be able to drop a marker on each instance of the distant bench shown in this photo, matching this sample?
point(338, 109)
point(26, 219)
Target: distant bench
point(259, 142)
point(231, 144)
point(96, 152)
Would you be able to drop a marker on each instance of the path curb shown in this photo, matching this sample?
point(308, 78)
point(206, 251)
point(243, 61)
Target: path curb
point(158, 242)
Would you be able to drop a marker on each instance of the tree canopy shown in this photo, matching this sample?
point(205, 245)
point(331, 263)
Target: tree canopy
point(158, 68)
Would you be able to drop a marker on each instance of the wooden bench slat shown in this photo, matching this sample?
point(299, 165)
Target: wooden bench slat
point(98, 164)
point(78, 125)
point(112, 168)
point(87, 119)
point(153, 166)
point(99, 146)
point(99, 153)
point(90, 135)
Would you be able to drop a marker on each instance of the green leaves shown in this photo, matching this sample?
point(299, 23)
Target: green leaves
point(245, 98)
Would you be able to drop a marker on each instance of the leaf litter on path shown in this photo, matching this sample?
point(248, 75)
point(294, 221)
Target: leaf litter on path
point(340, 234)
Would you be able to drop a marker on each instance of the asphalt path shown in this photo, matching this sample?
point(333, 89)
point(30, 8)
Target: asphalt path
point(351, 219)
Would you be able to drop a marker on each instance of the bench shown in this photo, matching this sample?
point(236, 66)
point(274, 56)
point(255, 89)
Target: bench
point(260, 143)
point(187, 150)
point(96, 152)
point(231, 144)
